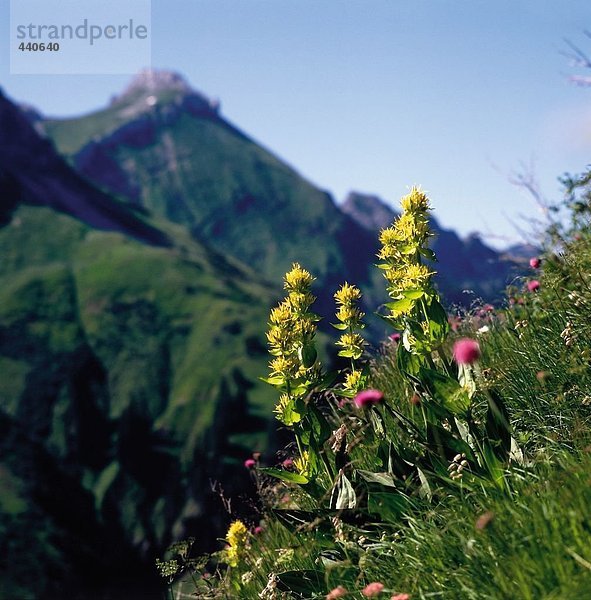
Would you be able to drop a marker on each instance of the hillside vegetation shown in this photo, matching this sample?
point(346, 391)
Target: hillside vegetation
point(129, 374)
point(455, 464)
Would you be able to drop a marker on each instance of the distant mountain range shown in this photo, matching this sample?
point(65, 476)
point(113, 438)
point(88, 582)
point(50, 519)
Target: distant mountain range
point(142, 246)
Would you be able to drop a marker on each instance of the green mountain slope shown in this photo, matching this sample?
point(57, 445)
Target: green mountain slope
point(173, 154)
point(131, 367)
point(129, 358)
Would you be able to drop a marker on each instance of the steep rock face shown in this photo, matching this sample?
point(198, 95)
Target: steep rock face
point(462, 265)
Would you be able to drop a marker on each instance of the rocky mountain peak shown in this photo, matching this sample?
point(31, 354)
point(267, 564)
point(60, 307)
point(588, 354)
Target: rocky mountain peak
point(151, 87)
point(152, 81)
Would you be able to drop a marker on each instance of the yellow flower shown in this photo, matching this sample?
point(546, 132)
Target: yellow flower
point(352, 343)
point(415, 201)
point(298, 279)
point(302, 463)
point(281, 314)
point(347, 294)
point(237, 538)
point(389, 236)
point(300, 302)
point(352, 380)
point(349, 315)
point(406, 227)
point(237, 534)
point(412, 276)
point(286, 412)
point(283, 365)
point(280, 338)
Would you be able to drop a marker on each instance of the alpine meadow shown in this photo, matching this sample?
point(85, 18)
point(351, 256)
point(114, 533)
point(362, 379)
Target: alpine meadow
point(219, 382)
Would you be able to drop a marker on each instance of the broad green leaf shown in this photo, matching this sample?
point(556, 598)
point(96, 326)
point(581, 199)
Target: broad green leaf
point(466, 379)
point(276, 380)
point(413, 294)
point(497, 428)
point(318, 424)
point(377, 422)
point(327, 380)
point(408, 363)
point(428, 254)
point(285, 475)
point(390, 506)
point(349, 354)
point(438, 321)
point(307, 354)
point(383, 479)
point(343, 494)
point(446, 390)
point(446, 445)
point(402, 305)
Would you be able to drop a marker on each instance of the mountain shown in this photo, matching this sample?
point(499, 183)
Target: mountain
point(168, 151)
point(165, 147)
point(129, 361)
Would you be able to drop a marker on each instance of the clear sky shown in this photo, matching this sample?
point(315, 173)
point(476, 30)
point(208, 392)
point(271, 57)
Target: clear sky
point(377, 95)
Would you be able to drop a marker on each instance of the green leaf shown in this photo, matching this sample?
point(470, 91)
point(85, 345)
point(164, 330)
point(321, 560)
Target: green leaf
point(333, 558)
point(446, 390)
point(294, 518)
point(402, 305)
point(307, 354)
point(425, 488)
point(289, 415)
point(408, 363)
point(407, 248)
point(466, 379)
point(276, 380)
point(347, 354)
point(327, 380)
point(285, 475)
point(390, 320)
point(343, 494)
point(377, 422)
point(390, 506)
point(384, 479)
point(445, 445)
point(428, 254)
point(318, 424)
point(438, 321)
point(413, 294)
point(339, 326)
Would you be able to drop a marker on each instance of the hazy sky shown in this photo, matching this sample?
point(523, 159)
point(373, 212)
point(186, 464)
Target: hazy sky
point(377, 95)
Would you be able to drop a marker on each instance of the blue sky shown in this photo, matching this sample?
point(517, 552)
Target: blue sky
point(377, 95)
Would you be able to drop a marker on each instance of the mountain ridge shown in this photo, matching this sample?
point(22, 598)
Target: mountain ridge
point(201, 172)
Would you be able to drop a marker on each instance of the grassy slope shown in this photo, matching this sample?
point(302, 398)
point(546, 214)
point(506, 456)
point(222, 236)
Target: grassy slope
point(115, 354)
point(533, 543)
